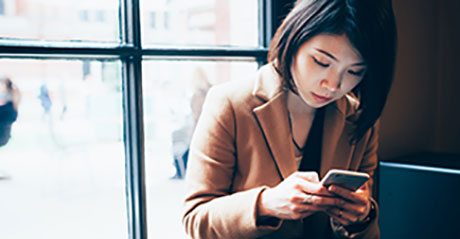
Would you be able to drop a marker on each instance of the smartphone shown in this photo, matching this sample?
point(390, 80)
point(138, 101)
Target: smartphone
point(350, 180)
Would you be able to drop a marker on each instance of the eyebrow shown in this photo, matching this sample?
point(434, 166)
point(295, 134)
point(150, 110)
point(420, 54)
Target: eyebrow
point(333, 57)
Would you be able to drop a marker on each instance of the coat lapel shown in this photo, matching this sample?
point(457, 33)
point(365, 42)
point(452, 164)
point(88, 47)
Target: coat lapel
point(336, 150)
point(273, 120)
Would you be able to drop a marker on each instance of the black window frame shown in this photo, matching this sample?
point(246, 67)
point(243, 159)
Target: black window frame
point(131, 54)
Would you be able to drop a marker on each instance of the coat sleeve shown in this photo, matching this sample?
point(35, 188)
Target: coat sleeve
point(370, 159)
point(211, 209)
point(368, 165)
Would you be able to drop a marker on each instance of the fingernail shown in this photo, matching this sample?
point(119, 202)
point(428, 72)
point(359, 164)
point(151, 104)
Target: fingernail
point(330, 188)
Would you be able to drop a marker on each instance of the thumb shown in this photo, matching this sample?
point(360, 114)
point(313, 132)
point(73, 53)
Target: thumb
point(310, 176)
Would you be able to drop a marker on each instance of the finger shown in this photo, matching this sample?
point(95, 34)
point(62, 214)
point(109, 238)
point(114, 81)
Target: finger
point(312, 187)
point(349, 195)
point(298, 214)
point(364, 187)
point(311, 210)
point(324, 201)
point(363, 190)
point(318, 189)
point(342, 216)
point(297, 211)
point(306, 198)
point(354, 209)
point(302, 207)
point(305, 208)
point(310, 176)
point(339, 220)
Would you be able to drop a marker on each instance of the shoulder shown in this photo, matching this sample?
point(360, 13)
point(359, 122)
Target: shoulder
point(226, 102)
point(252, 91)
point(237, 91)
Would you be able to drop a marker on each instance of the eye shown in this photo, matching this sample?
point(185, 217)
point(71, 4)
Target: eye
point(319, 62)
point(356, 73)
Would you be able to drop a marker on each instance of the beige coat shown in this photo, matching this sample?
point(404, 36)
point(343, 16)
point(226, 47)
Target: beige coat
point(242, 145)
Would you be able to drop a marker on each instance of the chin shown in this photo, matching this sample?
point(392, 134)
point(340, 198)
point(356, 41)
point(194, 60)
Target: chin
point(315, 105)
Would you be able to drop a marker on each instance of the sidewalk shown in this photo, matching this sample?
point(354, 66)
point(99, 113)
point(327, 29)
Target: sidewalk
point(80, 193)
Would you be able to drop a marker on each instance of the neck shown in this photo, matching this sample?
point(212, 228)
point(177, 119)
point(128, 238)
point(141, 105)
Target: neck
point(296, 105)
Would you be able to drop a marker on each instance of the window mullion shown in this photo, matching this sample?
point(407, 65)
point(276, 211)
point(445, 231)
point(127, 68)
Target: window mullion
point(133, 120)
point(265, 23)
point(130, 23)
point(134, 145)
point(265, 27)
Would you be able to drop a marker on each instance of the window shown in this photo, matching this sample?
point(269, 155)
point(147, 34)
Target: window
point(166, 20)
point(70, 20)
point(203, 22)
point(84, 16)
point(100, 16)
point(153, 19)
point(107, 110)
point(167, 137)
point(2, 7)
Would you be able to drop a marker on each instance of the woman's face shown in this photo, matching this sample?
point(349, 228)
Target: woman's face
point(325, 68)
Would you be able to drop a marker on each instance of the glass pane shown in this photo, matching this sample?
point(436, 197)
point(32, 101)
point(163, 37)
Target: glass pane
point(172, 103)
point(77, 20)
point(62, 169)
point(200, 22)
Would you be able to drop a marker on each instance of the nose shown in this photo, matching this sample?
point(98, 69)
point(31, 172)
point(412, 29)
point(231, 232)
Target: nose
point(331, 83)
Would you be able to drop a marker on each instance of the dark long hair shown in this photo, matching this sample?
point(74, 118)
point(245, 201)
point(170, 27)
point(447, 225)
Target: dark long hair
point(370, 27)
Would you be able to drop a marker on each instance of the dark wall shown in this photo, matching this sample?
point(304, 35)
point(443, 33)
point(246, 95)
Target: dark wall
point(408, 122)
point(423, 113)
point(448, 78)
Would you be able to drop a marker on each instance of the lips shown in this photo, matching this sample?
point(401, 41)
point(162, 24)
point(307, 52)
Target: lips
point(321, 99)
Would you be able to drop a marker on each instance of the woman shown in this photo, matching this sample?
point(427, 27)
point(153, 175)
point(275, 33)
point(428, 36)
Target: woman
point(261, 146)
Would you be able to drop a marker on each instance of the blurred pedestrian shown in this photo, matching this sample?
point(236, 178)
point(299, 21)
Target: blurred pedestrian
point(45, 100)
point(181, 137)
point(9, 101)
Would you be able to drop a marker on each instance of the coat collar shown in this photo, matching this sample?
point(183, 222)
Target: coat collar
point(272, 116)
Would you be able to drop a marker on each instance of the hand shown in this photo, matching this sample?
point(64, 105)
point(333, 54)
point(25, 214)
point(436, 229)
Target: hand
point(288, 199)
point(356, 207)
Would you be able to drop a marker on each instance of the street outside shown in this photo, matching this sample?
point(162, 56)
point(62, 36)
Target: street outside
point(66, 178)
